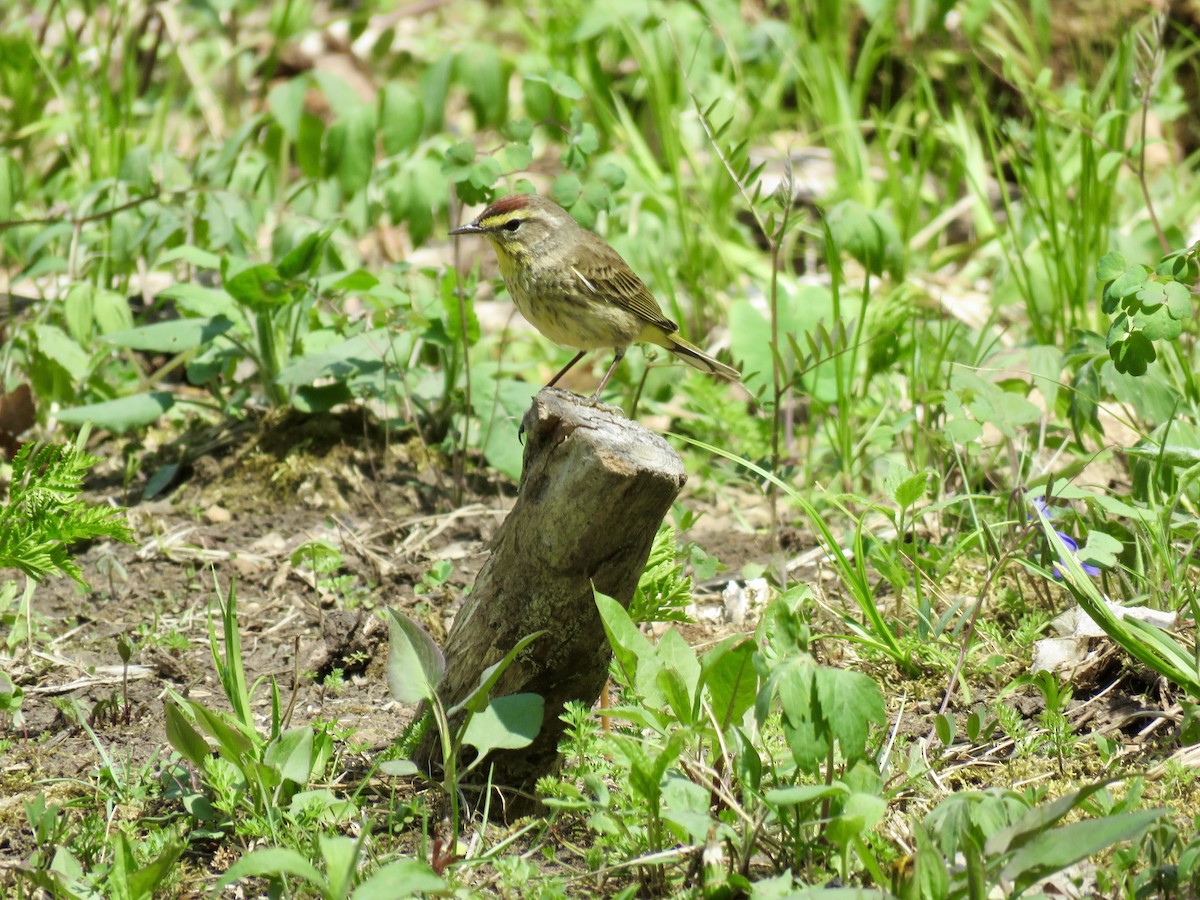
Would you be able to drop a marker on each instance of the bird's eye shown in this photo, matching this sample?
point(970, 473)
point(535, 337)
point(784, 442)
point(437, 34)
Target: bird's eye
point(511, 225)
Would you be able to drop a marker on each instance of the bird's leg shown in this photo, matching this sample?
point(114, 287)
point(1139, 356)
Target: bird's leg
point(565, 369)
point(608, 375)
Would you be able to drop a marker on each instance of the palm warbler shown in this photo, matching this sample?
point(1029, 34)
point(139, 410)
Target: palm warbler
point(576, 289)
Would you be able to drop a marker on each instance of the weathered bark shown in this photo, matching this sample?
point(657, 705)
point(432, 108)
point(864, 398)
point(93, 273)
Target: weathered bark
point(594, 489)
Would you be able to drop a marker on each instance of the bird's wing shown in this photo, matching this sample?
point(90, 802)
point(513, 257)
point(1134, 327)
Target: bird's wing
point(606, 275)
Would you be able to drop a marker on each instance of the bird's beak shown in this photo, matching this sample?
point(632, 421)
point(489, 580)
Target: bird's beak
point(472, 228)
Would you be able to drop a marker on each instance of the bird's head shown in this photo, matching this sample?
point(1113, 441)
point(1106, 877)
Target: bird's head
point(522, 226)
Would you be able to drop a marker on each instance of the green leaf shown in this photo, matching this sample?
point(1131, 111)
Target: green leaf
point(305, 256)
point(400, 768)
point(1128, 282)
point(564, 85)
point(202, 302)
point(1179, 300)
point(1053, 851)
point(460, 318)
point(77, 311)
point(340, 854)
point(174, 336)
point(1152, 294)
point(678, 659)
point(795, 795)
point(270, 861)
point(286, 103)
point(192, 255)
point(869, 236)
point(478, 68)
point(732, 682)
point(123, 414)
point(291, 754)
point(401, 118)
point(111, 311)
point(858, 815)
point(850, 703)
point(257, 286)
point(1110, 267)
point(184, 738)
point(506, 723)
point(415, 664)
point(367, 352)
point(146, 881)
point(350, 148)
point(499, 407)
point(1134, 354)
point(56, 345)
point(904, 487)
point(402, 878)
point(629, 645)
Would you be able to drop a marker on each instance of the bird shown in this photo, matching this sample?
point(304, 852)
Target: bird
point(574, 288)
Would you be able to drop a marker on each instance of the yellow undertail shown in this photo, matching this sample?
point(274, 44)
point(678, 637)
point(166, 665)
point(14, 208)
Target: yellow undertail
point(689, 353)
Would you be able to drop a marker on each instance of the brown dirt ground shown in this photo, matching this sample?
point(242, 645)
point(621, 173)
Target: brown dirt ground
point(241, 503)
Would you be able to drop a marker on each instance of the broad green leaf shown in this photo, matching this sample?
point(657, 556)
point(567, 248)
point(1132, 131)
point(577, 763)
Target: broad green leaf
point(291, 753)
point(400, 768)
point(146, 881)
point(506, 723)
point(732, 682)
point(61, 348)
point(361, 353)
point(111, 311)
point(401, 118)
point(415, 664)
point(850, 703)
point(202, 302)
point(270, 861)
point(174, 336)
point(1101, 549)
point(478, 68)
point(123, 414)
point(10, 185)
point(402, 878)
point(904, 487)
point(193, 255)
point(676, 656)
point(340, 854)
point(1110, 266)
point(184, 738)
point(1128, 282)
point(305, 257)
point(257, 286)
point(1179, 300)
point(1054, 850)
point(135, 169)
point(233, 743)
point(795, 795)
point(322, 398)
point(629, 645)
point(286, 103)
point(350, 144)
point(500, 406)
point(77, 311)
point(858, 815)
point(867, 235)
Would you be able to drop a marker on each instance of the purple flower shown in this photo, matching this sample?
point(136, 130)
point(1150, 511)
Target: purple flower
point(1069, 544)
point(1072, 546)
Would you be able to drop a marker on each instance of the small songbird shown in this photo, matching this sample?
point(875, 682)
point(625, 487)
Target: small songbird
point(576, 289)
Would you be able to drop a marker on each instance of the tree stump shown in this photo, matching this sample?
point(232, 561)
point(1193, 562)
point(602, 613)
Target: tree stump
point(594, 489)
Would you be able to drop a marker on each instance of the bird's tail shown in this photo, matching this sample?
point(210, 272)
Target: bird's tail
point(697, 358)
